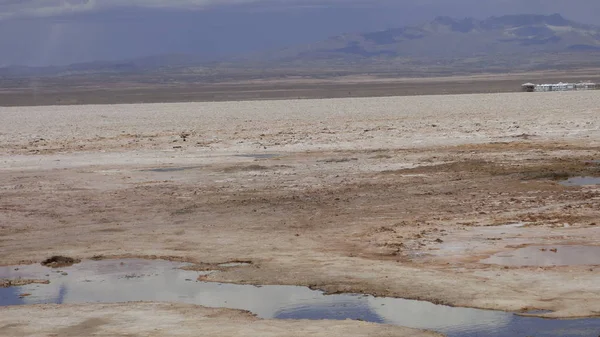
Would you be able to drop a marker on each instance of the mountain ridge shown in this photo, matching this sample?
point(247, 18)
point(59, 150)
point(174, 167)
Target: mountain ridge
point(444, 45)
point(447, 37)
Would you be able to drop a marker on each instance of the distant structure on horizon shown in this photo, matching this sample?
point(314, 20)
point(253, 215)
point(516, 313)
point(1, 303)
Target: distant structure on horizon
point(530, 87)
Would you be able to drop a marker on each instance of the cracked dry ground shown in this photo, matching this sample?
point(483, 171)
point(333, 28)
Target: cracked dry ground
point(341, 221)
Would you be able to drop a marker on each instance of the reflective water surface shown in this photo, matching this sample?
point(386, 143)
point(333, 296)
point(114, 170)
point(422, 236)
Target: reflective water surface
point(258, 155)
point(145, 280)
point(172, 169)
point(558, 255)
point(581, 181)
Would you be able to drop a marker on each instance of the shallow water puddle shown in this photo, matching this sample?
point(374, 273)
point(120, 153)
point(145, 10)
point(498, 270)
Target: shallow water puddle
point(145, 280)
point(581, 181)
point(234, 264)
point(258, 155)
point(559, 255)
point(172, 169)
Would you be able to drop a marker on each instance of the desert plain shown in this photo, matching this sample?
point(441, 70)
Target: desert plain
point(404, 197)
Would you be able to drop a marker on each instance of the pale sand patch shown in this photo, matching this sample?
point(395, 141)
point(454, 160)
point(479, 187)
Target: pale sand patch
point(166, 320)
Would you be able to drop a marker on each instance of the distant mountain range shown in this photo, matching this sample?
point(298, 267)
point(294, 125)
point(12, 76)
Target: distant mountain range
point(505, 43)
point(446, 37)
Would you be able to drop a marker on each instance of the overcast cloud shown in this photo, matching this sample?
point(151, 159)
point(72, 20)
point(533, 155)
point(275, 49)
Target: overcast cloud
point(45, 8)
point(47, 32)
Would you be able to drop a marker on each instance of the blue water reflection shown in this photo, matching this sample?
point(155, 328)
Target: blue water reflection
point(163, 281)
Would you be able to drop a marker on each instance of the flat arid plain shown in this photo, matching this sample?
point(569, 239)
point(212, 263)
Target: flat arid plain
point(473, 201)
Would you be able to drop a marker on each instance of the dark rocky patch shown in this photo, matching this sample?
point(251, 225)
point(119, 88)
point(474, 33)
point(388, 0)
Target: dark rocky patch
point(58, 261)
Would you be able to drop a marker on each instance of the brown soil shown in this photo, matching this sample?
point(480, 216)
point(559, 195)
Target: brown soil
point(366, 195)
point(4, 283)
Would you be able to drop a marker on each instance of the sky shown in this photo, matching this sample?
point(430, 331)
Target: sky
point(59, 32)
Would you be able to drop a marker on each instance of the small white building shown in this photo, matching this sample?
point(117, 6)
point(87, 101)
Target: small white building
point(530, 87)
point(586, 86)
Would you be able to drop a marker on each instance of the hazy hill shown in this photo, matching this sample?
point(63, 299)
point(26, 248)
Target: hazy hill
point(446, 37)
point(443, 46)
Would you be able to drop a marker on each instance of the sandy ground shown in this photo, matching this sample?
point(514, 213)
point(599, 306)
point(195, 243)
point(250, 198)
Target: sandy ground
point(155, 319)
point(188, 87)
point(400, 196)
